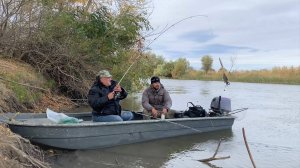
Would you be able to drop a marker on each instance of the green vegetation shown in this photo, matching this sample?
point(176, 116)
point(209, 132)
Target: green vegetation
point(68, 42)
point(282, 75)
point(206, 63)
point(172, 69)
point(24, 94)
point(180, 69)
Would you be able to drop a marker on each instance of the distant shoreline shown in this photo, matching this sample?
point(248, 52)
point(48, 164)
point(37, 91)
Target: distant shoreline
point(277, 75)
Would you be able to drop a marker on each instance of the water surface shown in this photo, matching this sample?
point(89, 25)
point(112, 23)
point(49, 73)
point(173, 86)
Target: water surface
point(272, 125)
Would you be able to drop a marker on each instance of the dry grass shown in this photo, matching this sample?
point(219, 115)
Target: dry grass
point(18, 152)
point(17, 96)
point(281, 75)
point(284, 75)
point(19, 71)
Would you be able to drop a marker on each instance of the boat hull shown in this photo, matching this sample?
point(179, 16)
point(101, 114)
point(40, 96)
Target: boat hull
point(92, 135)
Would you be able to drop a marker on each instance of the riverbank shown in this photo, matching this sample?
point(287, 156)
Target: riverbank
point(24, 89)
point(18, 152)
point(277, 75)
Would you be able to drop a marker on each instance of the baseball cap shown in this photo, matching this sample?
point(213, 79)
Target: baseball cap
point(104, 73)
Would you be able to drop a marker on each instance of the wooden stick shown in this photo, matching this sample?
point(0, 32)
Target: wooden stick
point(246, 143)
point(214, 156)
point(217, 148)
point(211, 159)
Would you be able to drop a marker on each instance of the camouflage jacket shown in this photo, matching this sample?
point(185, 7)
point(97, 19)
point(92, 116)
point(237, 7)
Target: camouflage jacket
point(158, 99)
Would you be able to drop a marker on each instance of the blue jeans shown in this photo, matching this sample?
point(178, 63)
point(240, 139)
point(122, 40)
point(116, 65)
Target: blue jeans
point(125, 116)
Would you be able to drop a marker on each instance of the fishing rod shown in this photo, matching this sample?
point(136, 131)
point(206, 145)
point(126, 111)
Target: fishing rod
point(161, 33)
point(225, 78)
point(227, 83)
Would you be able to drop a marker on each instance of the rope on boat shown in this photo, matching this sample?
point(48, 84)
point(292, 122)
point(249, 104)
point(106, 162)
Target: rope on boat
point(194, 129)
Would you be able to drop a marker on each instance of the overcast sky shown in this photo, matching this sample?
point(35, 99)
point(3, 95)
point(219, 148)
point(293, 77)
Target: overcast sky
point(257, 34)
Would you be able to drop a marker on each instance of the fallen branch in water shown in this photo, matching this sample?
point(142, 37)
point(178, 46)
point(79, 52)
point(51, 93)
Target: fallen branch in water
point(214, 156)
point(246, 143)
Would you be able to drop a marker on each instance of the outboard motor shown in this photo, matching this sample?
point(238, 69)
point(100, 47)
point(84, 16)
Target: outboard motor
point(219, 106)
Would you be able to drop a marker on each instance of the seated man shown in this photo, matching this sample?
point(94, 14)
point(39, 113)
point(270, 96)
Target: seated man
point(156, 100)
point(104, 97)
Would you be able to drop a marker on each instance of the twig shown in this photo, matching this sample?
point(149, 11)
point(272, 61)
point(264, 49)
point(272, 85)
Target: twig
point(161, 33)
point(7, 80)
point(246, 143)
point(117, 161)
point(217, 149)
point(214, 156)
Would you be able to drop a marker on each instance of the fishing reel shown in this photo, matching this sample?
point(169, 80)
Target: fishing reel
point(117, 95)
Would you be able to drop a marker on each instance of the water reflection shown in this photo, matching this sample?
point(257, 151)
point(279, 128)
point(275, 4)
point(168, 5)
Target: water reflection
point(204, 92)
point(149, 154)
point(177, 90)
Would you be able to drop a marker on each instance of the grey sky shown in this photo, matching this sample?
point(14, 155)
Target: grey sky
point(258, 34)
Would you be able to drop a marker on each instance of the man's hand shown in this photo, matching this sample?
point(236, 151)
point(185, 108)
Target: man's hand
point(154, 112)
point(117, 88)
point(164, 111)
point(111, 95)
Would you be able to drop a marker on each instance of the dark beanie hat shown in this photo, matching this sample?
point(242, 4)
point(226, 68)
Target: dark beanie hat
point(155, 79)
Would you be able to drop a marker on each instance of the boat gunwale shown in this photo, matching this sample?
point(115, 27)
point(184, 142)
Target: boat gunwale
point(93, 124)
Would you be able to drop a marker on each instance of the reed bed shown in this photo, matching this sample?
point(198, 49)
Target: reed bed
point(279, 75)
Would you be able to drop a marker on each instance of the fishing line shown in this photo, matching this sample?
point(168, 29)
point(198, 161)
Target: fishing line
point(227, 83)
point(170, 122)
point(139, 45)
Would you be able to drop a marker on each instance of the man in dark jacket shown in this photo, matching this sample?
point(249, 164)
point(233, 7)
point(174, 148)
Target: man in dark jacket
point(104, 97)
point(156, 100)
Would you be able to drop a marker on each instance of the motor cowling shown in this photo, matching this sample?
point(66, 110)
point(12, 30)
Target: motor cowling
point(220, 105)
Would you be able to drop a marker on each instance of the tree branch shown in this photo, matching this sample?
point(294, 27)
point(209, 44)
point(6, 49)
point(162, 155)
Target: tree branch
point(246, 143)
point(214, 156)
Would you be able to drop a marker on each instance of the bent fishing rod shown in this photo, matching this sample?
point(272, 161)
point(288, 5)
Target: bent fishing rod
point(161, 33)
point(227, 83)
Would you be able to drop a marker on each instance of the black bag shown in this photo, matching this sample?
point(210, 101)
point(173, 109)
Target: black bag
point(195, 111)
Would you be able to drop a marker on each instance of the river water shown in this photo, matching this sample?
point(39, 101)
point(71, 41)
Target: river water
point(272, 126)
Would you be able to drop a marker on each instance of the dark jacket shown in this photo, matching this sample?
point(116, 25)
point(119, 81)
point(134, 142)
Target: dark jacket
point(98, 99)
point(158, 99)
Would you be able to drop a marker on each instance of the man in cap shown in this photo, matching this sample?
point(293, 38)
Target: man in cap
point(104, 97)
point(156, 100)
